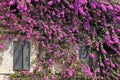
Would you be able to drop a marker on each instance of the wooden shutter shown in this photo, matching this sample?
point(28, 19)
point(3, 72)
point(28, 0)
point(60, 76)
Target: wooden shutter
point(26, 56)
point(17, 55)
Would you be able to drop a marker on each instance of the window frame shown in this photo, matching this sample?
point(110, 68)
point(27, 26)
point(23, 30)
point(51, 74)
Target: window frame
point(25, 61)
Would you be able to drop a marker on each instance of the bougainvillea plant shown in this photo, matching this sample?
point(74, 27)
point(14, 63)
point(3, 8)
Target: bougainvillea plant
point(58, 27)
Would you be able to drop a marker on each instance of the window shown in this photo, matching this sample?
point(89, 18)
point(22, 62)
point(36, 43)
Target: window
point(21, 55)
point(84, 56)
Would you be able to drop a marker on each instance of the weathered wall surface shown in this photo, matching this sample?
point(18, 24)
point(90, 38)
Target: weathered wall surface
point(6, 60)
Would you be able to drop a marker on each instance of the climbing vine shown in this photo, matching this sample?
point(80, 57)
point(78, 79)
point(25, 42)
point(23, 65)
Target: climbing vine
point(59, 27)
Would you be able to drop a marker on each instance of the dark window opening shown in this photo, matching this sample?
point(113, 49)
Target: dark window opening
point(15, 11)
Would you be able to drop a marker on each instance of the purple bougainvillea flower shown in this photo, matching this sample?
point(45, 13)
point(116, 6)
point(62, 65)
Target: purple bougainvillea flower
point(77, 5)
point(55, 46)
point(101, 78)
point(3, 22)
point(58, 1)
point(103, 8)
point(98, 70)
point(107, 59)
point(46, 26)
point(51, 61)
point(107, 62)
point(115, 39)
point(1, 17)
point(90, 18)
point(11, 2)
point(97, 44)
point(53, 78)
point(37, 68)
point(118, 30)
point(116, 78)
point(83, 2)
point(77, 48)
point(118, 74)
point(70, 72)
point(104, 72)
point(103, 51)
point(117, 6)
point(107, 33)
point(88, 72)
point(46, 78)
point(7, 15)
point(112, 65)
point(28, 1)
point(96, 3)
point(101, 64)
point(82, 12)
point(109, 42)
point(1, 46)
point(118, 47)
point(62, 12)
point(87, 26)
point(117, 19)
point(92, 55)
point(92, 5)
point(71, 6)
point(28, 36)
point(28, 19)
point(21, 6)
point(105, 3)
point(110, 7)
point(50, 3)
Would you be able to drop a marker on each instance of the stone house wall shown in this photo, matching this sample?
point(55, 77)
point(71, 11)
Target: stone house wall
point(6, 60)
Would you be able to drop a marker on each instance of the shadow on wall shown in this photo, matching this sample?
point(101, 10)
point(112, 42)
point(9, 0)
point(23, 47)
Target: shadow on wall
point(1, 58)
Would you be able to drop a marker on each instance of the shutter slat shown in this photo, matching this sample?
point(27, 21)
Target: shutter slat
point(26, 56)
point(17, 56)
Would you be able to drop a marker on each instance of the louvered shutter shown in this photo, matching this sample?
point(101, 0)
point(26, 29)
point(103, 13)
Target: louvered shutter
point(17, 55)
point(26, 56)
